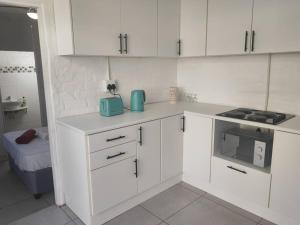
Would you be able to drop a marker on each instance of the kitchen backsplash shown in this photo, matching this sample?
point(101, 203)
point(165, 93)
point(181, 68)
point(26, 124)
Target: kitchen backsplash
point(243, 81)
point(78, 81)
point(229, 80)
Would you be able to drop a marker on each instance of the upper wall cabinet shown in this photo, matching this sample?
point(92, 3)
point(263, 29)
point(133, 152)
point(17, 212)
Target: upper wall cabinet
point(168, 27)
point(229, 26)
point(276, 26)
point(139, 27)
point(193, 27)
point(106, 27)
point(96, 27)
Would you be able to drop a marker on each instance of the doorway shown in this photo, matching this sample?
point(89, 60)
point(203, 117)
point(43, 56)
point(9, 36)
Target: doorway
point(25, 167)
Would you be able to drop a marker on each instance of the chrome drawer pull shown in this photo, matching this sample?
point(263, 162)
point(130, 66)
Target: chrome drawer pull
point(114, 139)
point(235, 169)
point(114, 156)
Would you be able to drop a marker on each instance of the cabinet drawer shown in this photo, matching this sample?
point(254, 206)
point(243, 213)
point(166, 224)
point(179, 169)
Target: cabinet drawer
point(113, 184)
point(111, 138)
point(244, 183)
point(112, 155)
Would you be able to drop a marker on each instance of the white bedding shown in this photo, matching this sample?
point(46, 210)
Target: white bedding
point(28, 157)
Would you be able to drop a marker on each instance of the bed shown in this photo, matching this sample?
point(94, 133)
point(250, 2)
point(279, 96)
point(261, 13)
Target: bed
point(31, 162)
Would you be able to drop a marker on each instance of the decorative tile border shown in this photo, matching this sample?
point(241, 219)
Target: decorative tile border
point(17, 69)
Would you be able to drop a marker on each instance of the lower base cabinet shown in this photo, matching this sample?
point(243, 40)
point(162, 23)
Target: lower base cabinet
point(285, 189)
point(172, 129)
point(148, 155)
point(242, 182)
point(113, 184)
point(197, 150)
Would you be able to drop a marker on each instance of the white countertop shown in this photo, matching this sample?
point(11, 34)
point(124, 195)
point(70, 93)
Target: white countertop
point(94, 123)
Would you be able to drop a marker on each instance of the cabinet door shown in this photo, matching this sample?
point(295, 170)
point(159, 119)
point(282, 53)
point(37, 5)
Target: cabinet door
point(197, 150)
point(193, 18)
point(148, 151)
point(285, 187)
point(168, 27)
point(139, 22)
point(113, 184)
point(96, 26)
point(276, 26)
point(228, 21)
point(171, 146)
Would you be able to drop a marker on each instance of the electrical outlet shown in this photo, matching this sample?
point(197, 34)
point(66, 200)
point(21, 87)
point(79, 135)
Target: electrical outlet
point(106, 83)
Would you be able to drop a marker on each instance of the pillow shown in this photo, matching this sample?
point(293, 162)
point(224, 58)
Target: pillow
point(43, 133)
point(26, 137)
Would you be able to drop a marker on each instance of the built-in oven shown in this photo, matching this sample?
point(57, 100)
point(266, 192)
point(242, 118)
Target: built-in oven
point(249, 145)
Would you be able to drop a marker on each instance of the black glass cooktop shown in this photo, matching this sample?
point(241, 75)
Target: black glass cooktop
point(267, 117)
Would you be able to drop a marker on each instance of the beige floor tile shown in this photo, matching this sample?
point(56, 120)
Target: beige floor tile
point(20, 210)
point(170, 201)
point(135, 216)
point(233, 208)
point(206, 212)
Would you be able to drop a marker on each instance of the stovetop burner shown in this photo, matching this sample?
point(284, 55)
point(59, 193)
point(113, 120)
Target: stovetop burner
point(267, 117)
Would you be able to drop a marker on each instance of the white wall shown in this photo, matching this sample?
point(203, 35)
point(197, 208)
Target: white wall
point(18, 85)
point(285, 83)
point(231, 80)
point(242, 81)
point(77, 84)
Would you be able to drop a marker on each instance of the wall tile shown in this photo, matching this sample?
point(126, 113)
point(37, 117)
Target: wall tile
point(285, 83)
point(232, 80)
point(78, 81)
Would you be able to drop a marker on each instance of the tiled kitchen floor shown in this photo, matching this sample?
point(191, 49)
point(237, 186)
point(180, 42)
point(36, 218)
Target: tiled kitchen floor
point(15, 201)
point(179, 205)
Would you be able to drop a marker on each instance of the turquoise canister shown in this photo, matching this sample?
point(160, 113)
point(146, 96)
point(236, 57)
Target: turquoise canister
point(137, 100)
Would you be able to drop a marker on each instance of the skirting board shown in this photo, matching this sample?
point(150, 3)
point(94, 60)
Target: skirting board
point(101, 218)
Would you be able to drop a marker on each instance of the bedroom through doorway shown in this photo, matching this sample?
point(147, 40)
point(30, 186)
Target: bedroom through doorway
point(26, 182)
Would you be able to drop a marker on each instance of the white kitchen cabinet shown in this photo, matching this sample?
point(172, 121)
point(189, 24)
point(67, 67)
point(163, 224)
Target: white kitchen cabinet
point(240, 182)
point(168, 27)
point(148, 155)
point(193, 18)
point(106, 27)
point(285, 187)
point(197, 151)
point(96, 27)
point(139, 25)
point(172, 146)
point(276, 26)
point(113, 184)
point(228, 22)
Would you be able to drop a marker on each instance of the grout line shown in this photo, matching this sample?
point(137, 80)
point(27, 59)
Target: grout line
point(232, 210)
point(268, 82)
point(161, 220)
point(183, 208)
point(190, 189)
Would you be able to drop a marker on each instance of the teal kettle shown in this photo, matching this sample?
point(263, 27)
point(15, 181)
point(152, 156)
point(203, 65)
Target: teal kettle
point(137, 100)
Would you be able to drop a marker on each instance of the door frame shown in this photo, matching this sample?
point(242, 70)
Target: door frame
point(46, 25)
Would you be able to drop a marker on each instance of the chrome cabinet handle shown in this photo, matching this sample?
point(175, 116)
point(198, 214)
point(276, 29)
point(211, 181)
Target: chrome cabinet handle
point(238, 170)
point(246, 41)
point(183, 124)
point(179, 47)
point(136, 168)
point(252, 41)
point(126, 43)
point(114, 139)
point(141, 136)
point(121, 44)
point(114, 156)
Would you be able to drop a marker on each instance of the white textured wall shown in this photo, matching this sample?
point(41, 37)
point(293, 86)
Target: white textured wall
point(285, 83)
point(231, 80)
point(78, 80)
point(18, 85)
